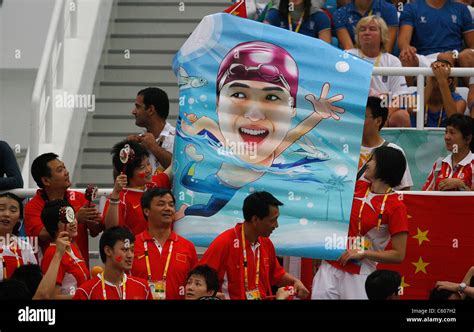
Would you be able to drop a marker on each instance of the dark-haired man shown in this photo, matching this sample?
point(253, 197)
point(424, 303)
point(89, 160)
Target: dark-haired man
point(237, 253)
point(375, 117)
point(150, 112)
point(161, 256)
point(52, 177)
point(116, 247)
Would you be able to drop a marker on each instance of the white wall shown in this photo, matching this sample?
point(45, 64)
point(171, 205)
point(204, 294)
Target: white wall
point(23, 29)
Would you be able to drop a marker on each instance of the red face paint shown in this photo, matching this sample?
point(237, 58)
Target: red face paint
point(142, 175)
point(118, 259)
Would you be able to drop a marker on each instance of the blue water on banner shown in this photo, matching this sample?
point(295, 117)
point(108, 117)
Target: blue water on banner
point(263, 108)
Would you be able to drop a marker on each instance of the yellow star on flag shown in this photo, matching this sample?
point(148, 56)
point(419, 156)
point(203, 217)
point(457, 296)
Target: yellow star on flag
point(403, 284)
point(420, 266)
point(421, 236)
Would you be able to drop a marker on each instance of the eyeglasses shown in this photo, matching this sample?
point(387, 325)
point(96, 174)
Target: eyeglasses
point(269, 73)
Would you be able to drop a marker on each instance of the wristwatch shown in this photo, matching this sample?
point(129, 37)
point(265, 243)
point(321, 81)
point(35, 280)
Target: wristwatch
point(462, 286)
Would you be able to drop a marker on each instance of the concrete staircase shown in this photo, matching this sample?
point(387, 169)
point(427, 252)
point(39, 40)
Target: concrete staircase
point(152, 32)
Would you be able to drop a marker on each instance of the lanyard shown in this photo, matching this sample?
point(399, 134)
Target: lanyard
point(439, 119)
point(124, 283)
point(298, 26)
point(147, 260)
point(257, 272)
point(382, 208)
point(4, 263)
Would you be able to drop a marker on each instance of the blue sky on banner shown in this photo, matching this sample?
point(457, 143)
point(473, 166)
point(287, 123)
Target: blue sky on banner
point(288, 119)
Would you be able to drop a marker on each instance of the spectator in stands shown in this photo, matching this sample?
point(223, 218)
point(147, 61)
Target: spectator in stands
point(371, 34)
point(123, 206)
point(150, 112)
point(464, 289)
point(12, 289)
point(161, 256)
point(14, 252)
point(455, 172)
point(383, 285)
point(347, 17)
point(31, 275)
point(202, 281)
point(46, 289)
point(433, 29)
point(250, 240)
point(73, 270)
point(441, 100)
point(116, 252)
point(302, 17)
point(52, 177)
point(10, 175)
point(378, 217)
point(375, 117)
point(257, 9)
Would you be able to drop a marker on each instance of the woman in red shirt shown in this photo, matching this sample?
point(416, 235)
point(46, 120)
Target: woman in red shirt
point(58, 216)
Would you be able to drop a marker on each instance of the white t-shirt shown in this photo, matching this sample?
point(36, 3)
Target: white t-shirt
point(365, 152)
point(166, 141)
point(384, 84)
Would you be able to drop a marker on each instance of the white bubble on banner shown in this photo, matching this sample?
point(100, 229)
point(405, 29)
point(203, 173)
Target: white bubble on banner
point(191, 101)
point(202, 98)
point(303, 221)
point(342, 170)
point(310, 205)
point(342, 66)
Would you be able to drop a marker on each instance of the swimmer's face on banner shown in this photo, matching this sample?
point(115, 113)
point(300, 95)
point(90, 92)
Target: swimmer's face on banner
point(254, 117)
point(257, 84)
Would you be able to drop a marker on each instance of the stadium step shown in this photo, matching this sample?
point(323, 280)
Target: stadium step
point(143, 38)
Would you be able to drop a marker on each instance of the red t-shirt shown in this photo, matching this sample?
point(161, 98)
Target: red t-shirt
point(18, 253)
point(135, 289)
point(72, 271)
point(34, 225)
point(225, 254)
point(182, 260)
point(130, 209)
point(394, 221)
point(444, 170)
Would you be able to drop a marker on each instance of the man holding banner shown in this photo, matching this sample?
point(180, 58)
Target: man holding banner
point(244, 256)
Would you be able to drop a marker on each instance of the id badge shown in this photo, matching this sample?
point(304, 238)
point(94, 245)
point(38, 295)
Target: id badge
point(158, 289)
point(253, 294)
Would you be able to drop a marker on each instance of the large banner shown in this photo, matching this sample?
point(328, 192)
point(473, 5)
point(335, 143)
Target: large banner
point(440, 243)
point(263, 108)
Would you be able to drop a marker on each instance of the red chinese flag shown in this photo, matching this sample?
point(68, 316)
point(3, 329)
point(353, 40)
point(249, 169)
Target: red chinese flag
point(238, 9)
point(440, 243)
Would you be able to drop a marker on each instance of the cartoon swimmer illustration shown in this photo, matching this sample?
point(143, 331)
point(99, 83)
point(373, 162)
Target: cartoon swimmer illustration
point(257, 84)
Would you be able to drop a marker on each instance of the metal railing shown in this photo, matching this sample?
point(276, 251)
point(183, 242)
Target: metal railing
point(420, 74)
point(50, 74)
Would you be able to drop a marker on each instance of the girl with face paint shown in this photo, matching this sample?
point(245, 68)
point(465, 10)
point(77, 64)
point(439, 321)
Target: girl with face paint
point(256, 86)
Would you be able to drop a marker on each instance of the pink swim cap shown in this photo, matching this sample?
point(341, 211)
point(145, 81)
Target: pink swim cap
point(259, 61)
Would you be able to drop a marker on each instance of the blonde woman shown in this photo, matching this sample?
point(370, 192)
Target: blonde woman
point(372, 36)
